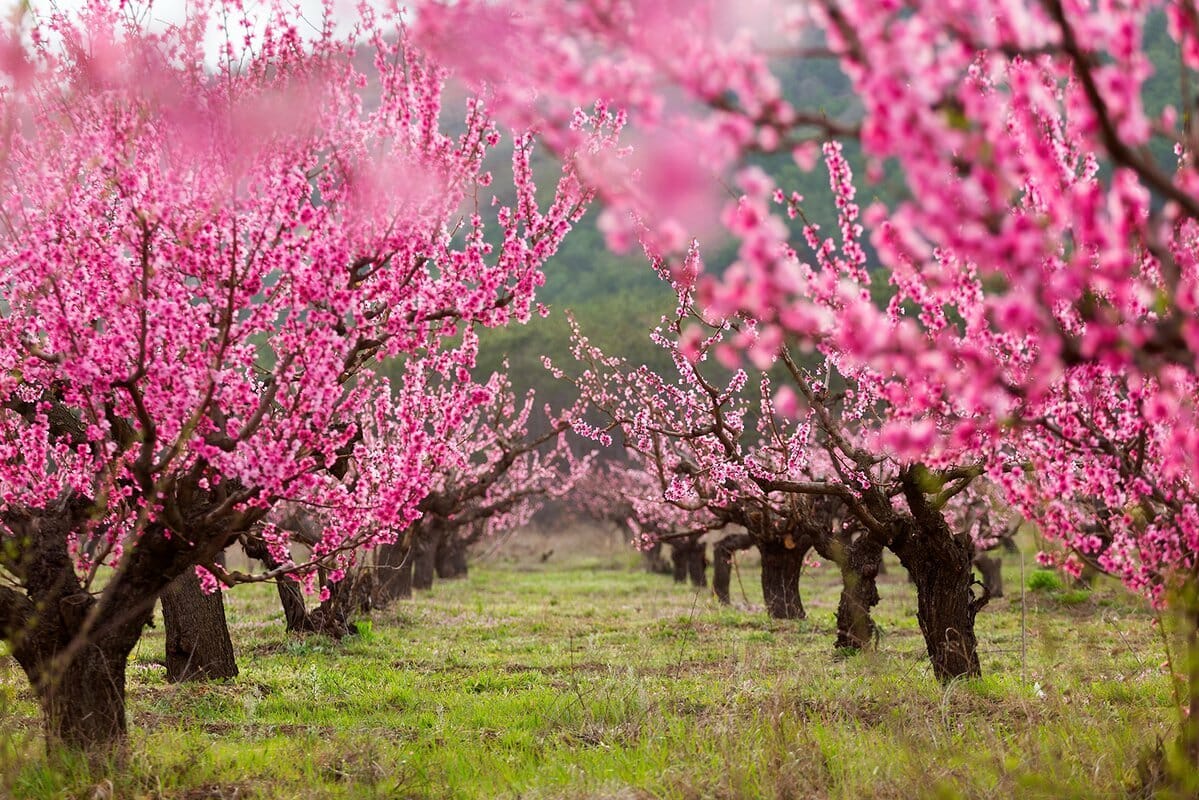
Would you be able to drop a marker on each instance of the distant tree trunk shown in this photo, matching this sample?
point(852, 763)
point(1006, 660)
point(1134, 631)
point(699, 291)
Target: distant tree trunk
point(689, 557)
point(678, 564)
point(860, 565)
point(654, 562)
point(393, 574)
point(198, 646)
point(332, 616)
point(991, 568)
point(451, 557)
point(939, 563)
point(291, 596)
point(295, 609)
point(722, 562)
point(781, 567)
point(697, 566)
point(426, 545)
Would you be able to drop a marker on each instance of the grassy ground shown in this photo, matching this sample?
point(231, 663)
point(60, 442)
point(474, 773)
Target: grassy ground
point(584, 677)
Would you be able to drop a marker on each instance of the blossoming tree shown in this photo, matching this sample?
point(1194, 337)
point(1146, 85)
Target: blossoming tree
point(1047, 223)
point(202, 267)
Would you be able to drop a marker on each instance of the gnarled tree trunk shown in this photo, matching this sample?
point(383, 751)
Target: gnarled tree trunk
point(939, 564)
point(860, 561)
point(198, 646)
point(722, 562)
point(74, 646)
point(291, 596)
point(782, 562)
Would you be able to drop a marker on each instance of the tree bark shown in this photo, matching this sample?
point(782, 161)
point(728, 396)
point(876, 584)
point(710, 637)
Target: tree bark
point(654, 562)
point(198, 646)
point(939, 563)
point(722, 562)
point(74, 646)
point(332, 616)
point(781, 566)
point(393, 574)
point(678, 563)
point(295, 609)
point(860, 561)
point(451, 557)
point(697, 566)
point(689, 558)
point(424, 563)
point(83, 701)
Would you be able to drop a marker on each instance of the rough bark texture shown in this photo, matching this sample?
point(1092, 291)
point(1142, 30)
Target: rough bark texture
point(393, 574)
point(198, 646)
point(72, 645)
point(939, 563)
point(860, 560)
point(722, 562)
point(781, 566)
point(332, 616)
point(991, 569)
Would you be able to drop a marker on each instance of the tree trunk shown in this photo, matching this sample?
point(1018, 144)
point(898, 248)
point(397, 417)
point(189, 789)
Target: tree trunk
point(331, 617)
point(860, 562)
point(393, 574)
point(991, 568)
point(198, 646)
point(690, 560)
point(678, 563)
point(424, 564)
point(781, 566)
point(72, 645)
point(939, 563)
point(697, 566)
point(83, 702)
point(722, 562)
point(654, 562)
point(295, 609)
point(291, 596)
point(451, 557)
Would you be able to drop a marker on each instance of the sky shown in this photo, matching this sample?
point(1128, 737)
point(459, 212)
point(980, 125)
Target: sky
point(169, 11)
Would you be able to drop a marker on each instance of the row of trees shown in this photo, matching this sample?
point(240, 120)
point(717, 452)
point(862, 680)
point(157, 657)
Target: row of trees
point(1042, 254)
point(205, 267)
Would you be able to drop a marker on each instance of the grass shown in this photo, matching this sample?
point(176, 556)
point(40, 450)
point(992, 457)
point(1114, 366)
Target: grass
point(587, 678)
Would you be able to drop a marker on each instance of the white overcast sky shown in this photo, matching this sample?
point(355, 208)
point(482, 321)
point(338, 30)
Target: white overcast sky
point(167, 11)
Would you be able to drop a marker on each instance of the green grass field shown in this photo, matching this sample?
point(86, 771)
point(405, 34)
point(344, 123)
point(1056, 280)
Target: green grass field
point(588, 678)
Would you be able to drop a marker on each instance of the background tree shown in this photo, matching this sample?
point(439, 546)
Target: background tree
point(1048, 217)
